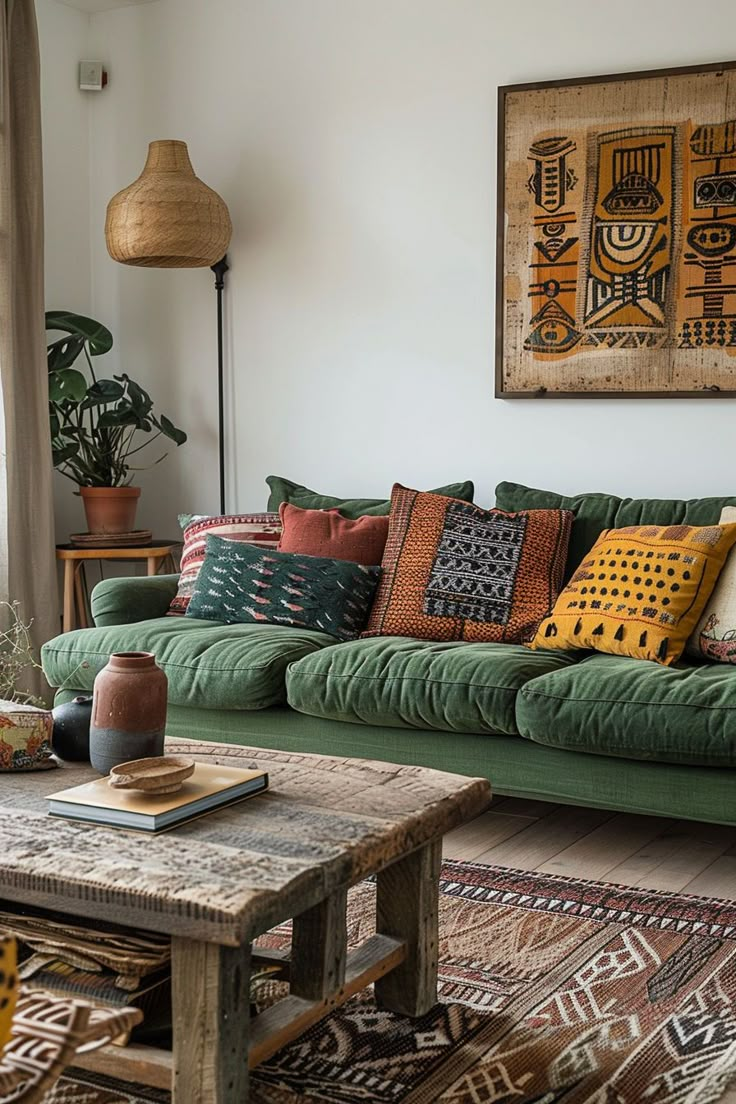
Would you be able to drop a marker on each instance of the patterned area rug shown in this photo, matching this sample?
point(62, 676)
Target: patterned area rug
point(552, 991)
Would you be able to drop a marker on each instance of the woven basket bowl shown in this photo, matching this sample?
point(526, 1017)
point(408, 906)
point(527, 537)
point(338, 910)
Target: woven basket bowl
point(167, 218)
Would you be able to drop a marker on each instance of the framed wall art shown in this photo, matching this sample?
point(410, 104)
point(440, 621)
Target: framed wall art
point(616, 263)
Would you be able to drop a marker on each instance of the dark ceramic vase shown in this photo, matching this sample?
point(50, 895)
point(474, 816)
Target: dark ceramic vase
point(70, 737)
point(128, 711)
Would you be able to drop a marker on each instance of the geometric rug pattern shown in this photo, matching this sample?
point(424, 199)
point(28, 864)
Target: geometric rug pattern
point(553, 990)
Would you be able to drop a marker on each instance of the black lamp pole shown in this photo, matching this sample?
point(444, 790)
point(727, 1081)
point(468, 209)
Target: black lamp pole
point(219, 270)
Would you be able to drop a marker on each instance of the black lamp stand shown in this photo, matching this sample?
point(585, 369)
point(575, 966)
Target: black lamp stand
point(219, 270)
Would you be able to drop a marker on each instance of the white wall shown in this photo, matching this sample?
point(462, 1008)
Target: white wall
point(63, 34)
point(354, 142)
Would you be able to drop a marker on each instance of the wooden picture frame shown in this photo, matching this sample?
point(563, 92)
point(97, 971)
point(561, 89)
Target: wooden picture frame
point(616, 236)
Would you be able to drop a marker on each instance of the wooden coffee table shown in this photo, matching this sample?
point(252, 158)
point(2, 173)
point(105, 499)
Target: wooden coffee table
point(219, 882)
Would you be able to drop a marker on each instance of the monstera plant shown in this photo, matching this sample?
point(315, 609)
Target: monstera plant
point(98, 425)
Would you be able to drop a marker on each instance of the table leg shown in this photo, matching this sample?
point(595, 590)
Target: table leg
point(152, 563)
point(319, 949)
point(211, 1014)
point(68, 620)
point(80, 596)
point(407, 907)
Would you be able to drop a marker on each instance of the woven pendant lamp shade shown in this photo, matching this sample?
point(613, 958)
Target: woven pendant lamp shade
point(167, 218)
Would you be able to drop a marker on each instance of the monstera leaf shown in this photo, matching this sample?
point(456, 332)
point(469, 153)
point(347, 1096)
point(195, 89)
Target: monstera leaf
point(139, 399)
point(178, 436)
point(97, 336)
point(68, 384)
point(64, 454)
point(102, 392)
point(62, 353)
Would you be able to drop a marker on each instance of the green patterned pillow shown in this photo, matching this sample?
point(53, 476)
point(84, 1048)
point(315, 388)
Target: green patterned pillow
point(242, 583)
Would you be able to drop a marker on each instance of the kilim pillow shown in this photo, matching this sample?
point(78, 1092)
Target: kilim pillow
point(639, 591)
point(263, 530)
point(283, 490)
point(452, 571)
point(328, 533)
point(240, 583)
point(715, 633)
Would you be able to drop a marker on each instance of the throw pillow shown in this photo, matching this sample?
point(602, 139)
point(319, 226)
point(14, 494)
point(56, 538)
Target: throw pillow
point(640, 591)
point(452, 571)
point(328, 533)
point(714, 637)
point(25, 737)
point(263, 530)
point(240, 583)
point(283, 490)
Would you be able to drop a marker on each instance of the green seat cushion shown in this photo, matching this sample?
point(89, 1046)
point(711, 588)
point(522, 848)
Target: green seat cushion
point(208, 664)
point(596, 512)
point(283, 490)
point(613, 705)
point(394, 680)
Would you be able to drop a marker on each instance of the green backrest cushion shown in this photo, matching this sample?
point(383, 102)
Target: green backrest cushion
point(596, 512)
point(283, 490)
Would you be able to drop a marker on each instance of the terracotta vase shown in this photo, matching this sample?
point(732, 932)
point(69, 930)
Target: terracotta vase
point(110, 510)
point(128, 710)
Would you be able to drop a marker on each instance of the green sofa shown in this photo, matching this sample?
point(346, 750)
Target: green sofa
point(575, 727)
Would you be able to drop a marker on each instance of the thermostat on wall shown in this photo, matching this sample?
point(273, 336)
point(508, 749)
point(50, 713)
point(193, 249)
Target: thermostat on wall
point(92, 76)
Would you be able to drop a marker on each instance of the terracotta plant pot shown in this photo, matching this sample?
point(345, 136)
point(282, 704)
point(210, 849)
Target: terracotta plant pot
point(110, 509)
point(128, 710)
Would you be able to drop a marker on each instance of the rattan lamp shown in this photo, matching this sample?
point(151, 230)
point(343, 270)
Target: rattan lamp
point(168, 218)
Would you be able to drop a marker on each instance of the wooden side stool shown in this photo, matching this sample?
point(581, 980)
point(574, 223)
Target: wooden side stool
point(157, 555)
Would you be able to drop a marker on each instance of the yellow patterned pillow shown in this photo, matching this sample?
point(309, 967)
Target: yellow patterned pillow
point(8, 987)
point(639, 591)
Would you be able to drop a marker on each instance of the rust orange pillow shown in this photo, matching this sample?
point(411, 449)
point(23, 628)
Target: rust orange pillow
point(640, 591)
point(452, 571)
point(328, 534)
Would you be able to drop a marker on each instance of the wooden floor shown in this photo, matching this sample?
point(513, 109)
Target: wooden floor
point(650, 852)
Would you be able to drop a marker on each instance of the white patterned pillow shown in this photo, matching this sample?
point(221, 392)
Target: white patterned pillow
point(714, 637)
point(263, 530)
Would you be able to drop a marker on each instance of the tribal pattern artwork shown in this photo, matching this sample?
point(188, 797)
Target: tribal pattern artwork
point(708, 315)
point(552, 990)
point(620, 296)
point(618, 271)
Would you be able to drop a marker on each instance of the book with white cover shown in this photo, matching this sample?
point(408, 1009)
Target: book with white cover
point(210, 787)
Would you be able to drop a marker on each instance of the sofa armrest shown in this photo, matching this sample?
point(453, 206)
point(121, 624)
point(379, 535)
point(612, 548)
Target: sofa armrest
point(132, 598)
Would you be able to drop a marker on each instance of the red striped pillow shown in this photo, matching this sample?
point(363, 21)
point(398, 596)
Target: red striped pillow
point(263, 530)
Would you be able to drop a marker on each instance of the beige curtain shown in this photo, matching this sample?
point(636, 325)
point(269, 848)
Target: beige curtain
point(27, 566)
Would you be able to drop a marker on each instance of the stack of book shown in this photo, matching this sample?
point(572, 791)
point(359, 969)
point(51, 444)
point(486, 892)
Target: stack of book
point(211, 787)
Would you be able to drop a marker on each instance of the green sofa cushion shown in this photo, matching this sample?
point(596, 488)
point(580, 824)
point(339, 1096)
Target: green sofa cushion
point(613, 705)
point(123, 600)
point(393, 680)
point(283, 490)
point(596, 512)
point(208, 664)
